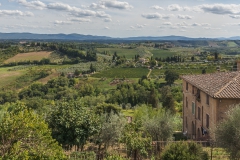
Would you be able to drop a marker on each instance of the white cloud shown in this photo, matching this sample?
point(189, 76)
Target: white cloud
point(115, 4)
point(235, 16)
point(80, 20)
point(106, 28)
point(140, 26)
point(156, 16)
point(174, 7)
point(157, 7)
point(78, 12)
point(184, 17)
point(61, 6)
point(196, 24)
point(182, 24)
point(97, 6)
point(152, 15)
point(15, 13)
point(32, 4)
point(221, 8)
point(167, 23)
point(107, 20)
point(62, 22)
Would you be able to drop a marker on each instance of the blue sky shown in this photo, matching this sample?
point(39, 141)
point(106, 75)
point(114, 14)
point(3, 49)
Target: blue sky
point(123, 18)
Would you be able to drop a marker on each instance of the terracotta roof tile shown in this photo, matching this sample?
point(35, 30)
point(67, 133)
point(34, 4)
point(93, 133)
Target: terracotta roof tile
point(217, 85)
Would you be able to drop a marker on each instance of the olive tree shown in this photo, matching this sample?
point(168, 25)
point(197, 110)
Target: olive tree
point(227, 132)
point(111, 128)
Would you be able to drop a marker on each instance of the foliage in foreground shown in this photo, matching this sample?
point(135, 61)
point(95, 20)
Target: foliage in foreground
point(227, 133)
point(184, 150)
point(72, 123)
point(25, 135)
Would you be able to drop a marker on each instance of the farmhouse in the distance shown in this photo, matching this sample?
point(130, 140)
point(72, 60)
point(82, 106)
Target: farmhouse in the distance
point(206, 98)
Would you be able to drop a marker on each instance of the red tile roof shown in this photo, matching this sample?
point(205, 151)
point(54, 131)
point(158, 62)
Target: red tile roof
point(217, 85)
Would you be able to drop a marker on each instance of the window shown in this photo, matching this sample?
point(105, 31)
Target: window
point(207, 120)
point(192, 89)
point(199, 113)
point(207, 99)
point(198, 95)
point(186, 86)
point(186, 103)
point(193, 108)
point(186, 123)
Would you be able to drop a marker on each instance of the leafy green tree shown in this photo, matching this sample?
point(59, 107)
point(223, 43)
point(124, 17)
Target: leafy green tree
point(77, 72)
point(157, 123)
point(184, 150)
point(92, 68)
point(171, 76)
point(25, 135)
point(107, 108)
point(153, 98)
point(72, 123)
point(167, 98)
point(8, 96)
point(111, 129)
point(227, 132)
point(136, 141)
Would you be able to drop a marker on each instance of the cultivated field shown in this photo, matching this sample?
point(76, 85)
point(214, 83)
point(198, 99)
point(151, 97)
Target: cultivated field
point(122, 72)
point(162, 53)
point(128, 53)
point(28, 56)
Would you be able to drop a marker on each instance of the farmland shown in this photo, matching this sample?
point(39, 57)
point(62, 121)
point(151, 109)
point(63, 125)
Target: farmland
point(7, 76)
point(28, 56)
point(162, 53)
point(123, 72)
point(128, 53)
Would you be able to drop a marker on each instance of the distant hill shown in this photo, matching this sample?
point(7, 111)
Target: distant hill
point(25, 36)
point(81, 37)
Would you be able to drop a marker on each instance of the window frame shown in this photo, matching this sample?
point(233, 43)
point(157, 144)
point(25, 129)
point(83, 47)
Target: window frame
point(207, 99)
point(199, 113)
point(186, 102)
point(207, 120)
point(193, 108)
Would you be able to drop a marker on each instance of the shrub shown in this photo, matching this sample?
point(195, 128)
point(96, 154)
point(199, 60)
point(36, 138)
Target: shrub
point(184, 150)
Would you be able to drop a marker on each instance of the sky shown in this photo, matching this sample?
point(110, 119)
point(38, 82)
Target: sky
point(122, 18)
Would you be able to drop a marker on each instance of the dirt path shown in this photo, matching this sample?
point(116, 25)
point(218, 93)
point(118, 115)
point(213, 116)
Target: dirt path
point(150, 71)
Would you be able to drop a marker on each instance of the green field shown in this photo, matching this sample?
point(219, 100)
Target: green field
point(128, 53)
point(122, 72)
point(162, 53)
point(232, 44)
point(7, 77)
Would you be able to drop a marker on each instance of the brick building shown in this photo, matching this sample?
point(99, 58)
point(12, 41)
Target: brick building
point(206, 98)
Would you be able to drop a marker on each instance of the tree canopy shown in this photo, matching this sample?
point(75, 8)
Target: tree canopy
point(171, 76)
point(227, 133)
point(25, 135)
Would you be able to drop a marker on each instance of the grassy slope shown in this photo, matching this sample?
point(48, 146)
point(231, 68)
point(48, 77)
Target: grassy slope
point(7, 77)
point(28, 56)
